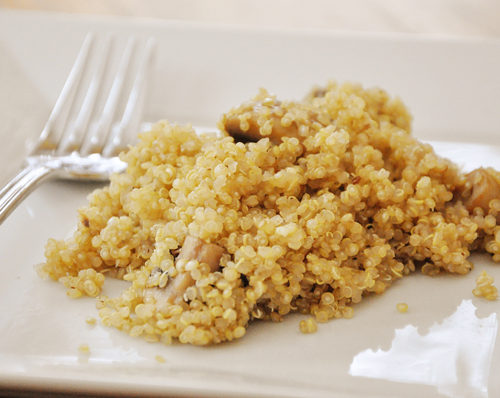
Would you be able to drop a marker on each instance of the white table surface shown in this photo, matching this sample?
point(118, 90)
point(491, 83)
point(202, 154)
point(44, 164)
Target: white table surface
point(430, 17)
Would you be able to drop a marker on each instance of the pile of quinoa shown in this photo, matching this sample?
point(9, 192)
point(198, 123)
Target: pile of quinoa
point(310, 206)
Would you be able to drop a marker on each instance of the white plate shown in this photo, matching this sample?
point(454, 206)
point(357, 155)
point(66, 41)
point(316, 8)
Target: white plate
point(452, 88)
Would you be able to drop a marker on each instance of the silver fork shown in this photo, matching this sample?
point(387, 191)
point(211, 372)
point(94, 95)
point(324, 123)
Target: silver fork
point(79, 141)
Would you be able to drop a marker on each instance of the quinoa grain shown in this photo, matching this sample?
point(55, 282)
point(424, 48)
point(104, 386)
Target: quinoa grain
point(402, 307)
point(484, 287)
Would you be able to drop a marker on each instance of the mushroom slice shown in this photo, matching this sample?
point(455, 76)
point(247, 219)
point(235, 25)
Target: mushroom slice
point(255, 132)
point(485, 186)
point(265, 116)
point(192, 249)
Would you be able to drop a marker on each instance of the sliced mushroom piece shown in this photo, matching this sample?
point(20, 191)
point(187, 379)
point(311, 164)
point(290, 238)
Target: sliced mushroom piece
point(192, 249)
point(317, 92)
point(265, 116)
point(254, 132)
point(484, 186)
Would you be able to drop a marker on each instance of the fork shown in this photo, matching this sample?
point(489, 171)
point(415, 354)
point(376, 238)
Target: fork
point(78, 141)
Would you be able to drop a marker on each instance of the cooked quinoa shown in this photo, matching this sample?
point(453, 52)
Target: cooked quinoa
point(402, 307)
point(308, 325)
point(484, 287)
point(160, 359)
point(84, 349)
point(292, 207)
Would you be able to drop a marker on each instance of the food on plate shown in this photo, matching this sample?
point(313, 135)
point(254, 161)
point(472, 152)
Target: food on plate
point(160, 359)
point(484, 186)
point(308, 325)
point(484, 287)
point(84, 348)
point(402, 307)
point(304, 206)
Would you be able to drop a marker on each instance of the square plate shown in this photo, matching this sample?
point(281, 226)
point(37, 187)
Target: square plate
point(443, 346)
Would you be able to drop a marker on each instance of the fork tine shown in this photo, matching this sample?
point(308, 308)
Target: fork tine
point(72, 140)
point(133, 109)
point(98, 133)
point(49, 137)
point(46, 160)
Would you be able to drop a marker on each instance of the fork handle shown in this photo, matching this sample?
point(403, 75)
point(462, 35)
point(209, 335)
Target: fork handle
point(19, 187)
